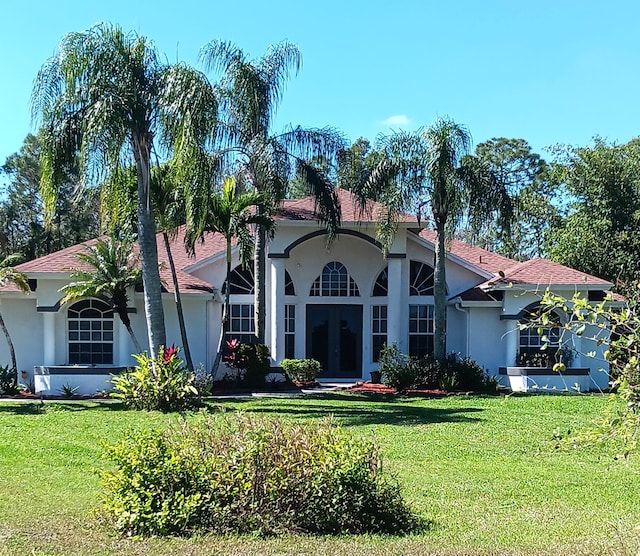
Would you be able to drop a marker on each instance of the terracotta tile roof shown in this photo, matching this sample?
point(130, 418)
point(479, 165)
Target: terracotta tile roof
point(542, 272)
point(478, 257)
point(65, 260)
point(535, 272)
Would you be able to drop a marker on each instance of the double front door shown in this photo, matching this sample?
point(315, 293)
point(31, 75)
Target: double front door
point(334, 337)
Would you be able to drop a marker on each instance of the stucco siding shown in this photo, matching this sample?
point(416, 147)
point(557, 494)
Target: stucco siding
point(486, 339)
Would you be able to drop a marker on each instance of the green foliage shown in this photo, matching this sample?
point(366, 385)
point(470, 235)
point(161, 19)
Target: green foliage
point(525, 177)
point(246, 474)
point(203, 381)
point(600, 234)
point(68, 390)
point(255, 362)
point(251, 361)
point(113, 271)
point(301, 370)
point(545, 358)
point(157, 384)
point(8, 381)
point(22, 213)
point(615, 331)
point(454, 372)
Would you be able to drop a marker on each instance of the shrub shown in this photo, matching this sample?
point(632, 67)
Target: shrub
point(300, 370)
point(8, 381)
point(454, 372)
point(245, 474)
point(251, 361)
point(157, 384)
point(398, 370)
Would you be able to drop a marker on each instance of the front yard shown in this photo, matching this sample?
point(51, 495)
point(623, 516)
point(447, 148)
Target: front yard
point(483, 470)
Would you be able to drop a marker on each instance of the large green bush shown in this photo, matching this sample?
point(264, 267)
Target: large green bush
point(454, 372)
point(161, 384)
point(301, 370)
point(8, 381)
point(240, 474)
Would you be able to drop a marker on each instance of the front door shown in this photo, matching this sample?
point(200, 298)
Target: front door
point(334, 337)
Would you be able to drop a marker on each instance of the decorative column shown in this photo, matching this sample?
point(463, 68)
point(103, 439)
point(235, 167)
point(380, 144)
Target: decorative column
point(395, 303)
point(277, 310)
point(512, 335)
point(49, 339)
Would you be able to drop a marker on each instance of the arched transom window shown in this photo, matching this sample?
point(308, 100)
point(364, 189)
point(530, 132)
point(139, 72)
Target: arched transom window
point(420, 279)
point(381, 287)
point(335, 282)
point(90, 332)
point(241, 280)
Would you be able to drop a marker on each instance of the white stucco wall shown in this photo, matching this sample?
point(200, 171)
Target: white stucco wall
point(25, 327)
point(487, 342)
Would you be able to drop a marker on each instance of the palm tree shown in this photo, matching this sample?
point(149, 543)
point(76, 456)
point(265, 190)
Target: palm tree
point(114, 270)
point(229, 215)
point(107, 96)
point(250, 94)
point(9, 275)
point(168, 197)
point(427, 168)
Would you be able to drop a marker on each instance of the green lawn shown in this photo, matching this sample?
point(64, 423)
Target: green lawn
point(483, 470)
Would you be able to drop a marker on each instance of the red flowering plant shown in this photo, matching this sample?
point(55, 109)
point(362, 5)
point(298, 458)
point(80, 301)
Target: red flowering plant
point(250, 361)
point(169, 353)
point(231, 355)
point(161, 383)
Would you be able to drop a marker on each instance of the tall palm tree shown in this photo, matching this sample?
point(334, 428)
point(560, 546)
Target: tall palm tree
point(251, 91)
point(9, 275)
point(107, 96)
point(427, 168)
point(114, 270)
point(118, 204)
point(229, 215)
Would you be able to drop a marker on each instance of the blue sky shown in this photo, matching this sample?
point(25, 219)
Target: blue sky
point(546, 71)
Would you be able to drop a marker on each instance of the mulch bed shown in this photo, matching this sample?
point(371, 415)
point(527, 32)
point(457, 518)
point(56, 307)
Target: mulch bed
point(370, 388)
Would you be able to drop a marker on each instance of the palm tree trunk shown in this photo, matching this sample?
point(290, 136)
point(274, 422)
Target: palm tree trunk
point(149, 249)
point(224, 324)
point(176, 289)
point(260, 285)
point(12, 351)
point(439, 295)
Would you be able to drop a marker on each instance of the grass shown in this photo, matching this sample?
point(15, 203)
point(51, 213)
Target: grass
point(484, 471)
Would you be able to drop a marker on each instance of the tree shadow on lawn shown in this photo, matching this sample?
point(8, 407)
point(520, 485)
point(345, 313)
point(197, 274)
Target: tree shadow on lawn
point(40, 407)
point(356, 410)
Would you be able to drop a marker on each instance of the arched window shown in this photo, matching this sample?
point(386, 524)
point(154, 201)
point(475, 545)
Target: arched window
point(534, 337)
point(334, 282)
point(90, 332)
point(381, 287)
point(420, 279)
point(289, 288)
point(242, 281)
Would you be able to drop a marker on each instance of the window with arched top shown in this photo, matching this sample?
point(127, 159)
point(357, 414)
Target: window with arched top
point(334, 282)
point(289, 287)
point(241, 280)
point(90, 332)
point(381, 286)
point(421, 279)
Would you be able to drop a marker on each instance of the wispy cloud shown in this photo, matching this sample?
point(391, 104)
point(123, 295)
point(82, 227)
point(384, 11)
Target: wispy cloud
point(398, 120)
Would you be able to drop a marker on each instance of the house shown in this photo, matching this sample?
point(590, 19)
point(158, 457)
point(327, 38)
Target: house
point(339, 303)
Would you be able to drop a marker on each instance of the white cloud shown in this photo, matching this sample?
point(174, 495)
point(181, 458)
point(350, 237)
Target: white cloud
point(398, 120)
